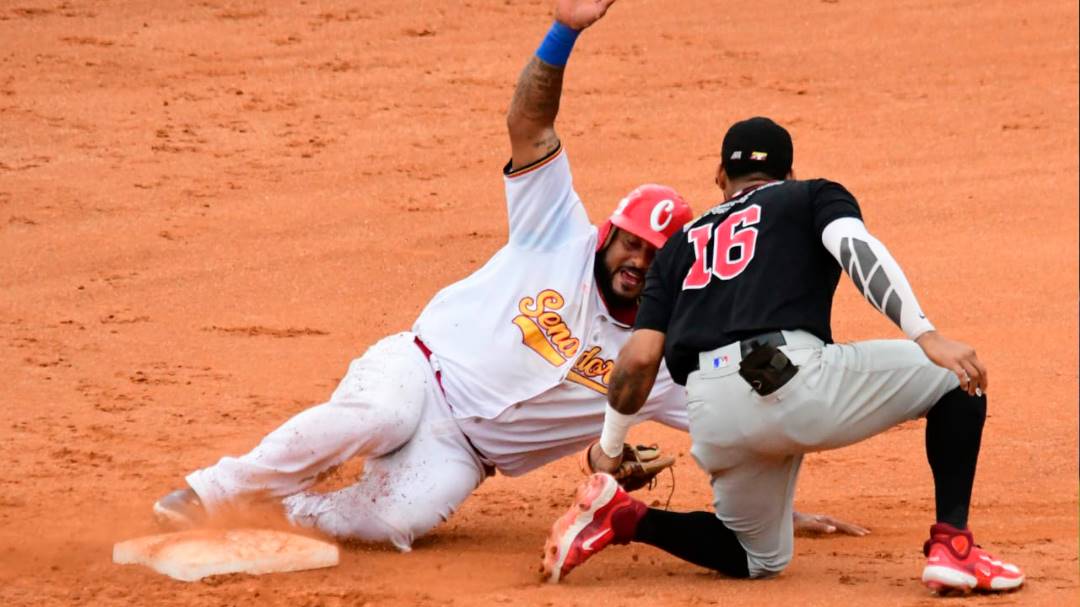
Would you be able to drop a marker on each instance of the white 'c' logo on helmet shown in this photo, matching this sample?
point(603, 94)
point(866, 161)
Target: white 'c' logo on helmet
point(661, 214)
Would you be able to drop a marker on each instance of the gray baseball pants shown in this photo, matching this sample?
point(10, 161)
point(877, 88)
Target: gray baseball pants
point(752, 445)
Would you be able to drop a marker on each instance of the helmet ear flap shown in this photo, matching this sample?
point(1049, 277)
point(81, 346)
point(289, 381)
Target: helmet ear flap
point(604, 235)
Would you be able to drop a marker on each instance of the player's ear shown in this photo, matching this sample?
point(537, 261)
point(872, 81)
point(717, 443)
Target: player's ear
point(791, 174)
point(721, 177)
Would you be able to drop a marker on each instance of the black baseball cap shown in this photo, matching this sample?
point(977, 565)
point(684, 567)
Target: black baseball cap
point(757, 145)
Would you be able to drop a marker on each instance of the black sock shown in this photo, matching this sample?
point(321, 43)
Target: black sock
point(697, 537)
point(953, 434)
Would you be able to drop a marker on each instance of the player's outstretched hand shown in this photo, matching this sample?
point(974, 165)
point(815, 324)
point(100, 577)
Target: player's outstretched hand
point(957, 357)
point(823, 524)
point(580, 14)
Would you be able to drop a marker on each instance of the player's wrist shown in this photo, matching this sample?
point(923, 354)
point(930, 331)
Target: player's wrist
point(616, 426)
point(557, 44)
point(925, 336)
point(915, 328)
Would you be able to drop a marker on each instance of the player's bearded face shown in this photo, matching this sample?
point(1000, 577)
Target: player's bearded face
point(622, 273)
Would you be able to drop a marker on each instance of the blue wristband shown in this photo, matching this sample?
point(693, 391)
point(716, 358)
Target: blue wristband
point(557, 44)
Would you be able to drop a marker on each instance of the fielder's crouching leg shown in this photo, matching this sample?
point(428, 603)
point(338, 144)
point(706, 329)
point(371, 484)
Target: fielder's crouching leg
point(755, 500)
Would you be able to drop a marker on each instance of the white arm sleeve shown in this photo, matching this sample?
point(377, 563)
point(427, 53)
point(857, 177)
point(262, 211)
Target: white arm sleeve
point(875, 274)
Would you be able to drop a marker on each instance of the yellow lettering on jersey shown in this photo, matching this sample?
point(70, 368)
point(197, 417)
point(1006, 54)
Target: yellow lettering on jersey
point(533, 337)
point(543, 330)
point(584, 381)
point(592, 371)
point(589, 364)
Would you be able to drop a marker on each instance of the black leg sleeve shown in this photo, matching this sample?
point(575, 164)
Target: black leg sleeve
point(696, 537)
point(953, 435)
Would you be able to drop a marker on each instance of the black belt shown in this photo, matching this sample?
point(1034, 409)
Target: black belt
point(772, 338)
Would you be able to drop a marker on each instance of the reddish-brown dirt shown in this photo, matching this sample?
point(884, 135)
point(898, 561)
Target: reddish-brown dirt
point(208, 208)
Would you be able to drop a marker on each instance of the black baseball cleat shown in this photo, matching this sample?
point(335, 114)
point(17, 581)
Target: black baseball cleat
point(181, 509)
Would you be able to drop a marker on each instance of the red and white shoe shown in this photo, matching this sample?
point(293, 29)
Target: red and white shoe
point(955, 564)
point(602, 514)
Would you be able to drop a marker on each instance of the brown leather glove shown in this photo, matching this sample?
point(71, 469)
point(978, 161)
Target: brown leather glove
point(639, 466)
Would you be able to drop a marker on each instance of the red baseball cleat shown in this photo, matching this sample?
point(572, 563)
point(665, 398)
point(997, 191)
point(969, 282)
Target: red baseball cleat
point(602, 514)
point(955, 564)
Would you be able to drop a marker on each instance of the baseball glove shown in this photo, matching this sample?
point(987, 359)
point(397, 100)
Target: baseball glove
point(639, 466)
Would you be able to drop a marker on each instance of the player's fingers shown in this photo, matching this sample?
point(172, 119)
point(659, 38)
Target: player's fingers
point(850, 528)
point(602, 7)
point(962, 375)
point(812, 524)
point(829, 524)
point(984, 378)
point(973, 377)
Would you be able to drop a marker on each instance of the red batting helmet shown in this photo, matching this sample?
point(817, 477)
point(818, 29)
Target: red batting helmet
point(652, 212)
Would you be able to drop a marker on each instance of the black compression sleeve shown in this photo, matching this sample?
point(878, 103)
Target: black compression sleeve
point(696, 537)
point(953, 434)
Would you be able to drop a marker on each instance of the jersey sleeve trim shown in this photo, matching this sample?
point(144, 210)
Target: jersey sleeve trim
point(532, 166)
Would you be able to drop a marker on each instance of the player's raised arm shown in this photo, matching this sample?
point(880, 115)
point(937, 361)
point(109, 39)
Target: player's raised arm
point(531, 117)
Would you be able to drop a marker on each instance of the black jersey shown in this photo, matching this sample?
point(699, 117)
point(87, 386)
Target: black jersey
point(750, 265)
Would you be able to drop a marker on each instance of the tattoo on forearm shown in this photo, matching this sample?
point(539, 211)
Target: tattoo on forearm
point(627, 391)
point(536, 98)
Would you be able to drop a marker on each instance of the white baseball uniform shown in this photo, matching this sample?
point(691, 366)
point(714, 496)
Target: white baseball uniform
point(521, 353)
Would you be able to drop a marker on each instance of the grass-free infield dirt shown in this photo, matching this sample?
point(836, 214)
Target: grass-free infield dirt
point(208, 208)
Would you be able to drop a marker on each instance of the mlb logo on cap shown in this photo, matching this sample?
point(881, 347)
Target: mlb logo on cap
point(759, 155)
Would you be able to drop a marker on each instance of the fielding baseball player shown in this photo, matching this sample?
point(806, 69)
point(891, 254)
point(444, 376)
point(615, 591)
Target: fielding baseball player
point(505, 370)
point(739, 307)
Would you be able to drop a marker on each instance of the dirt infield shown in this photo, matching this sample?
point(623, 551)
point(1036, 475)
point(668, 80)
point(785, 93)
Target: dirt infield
point(208, 208)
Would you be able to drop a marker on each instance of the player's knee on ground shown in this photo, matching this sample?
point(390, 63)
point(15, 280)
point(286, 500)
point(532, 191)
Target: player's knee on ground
point(397, 530)
point(375, 511)
point(762, 567)
point(360, 524)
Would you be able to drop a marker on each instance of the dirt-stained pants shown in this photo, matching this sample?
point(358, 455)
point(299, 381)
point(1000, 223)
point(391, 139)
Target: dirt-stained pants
point(388, 408)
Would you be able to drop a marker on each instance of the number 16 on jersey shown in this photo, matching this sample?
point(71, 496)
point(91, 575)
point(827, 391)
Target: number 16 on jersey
point(734, 241)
